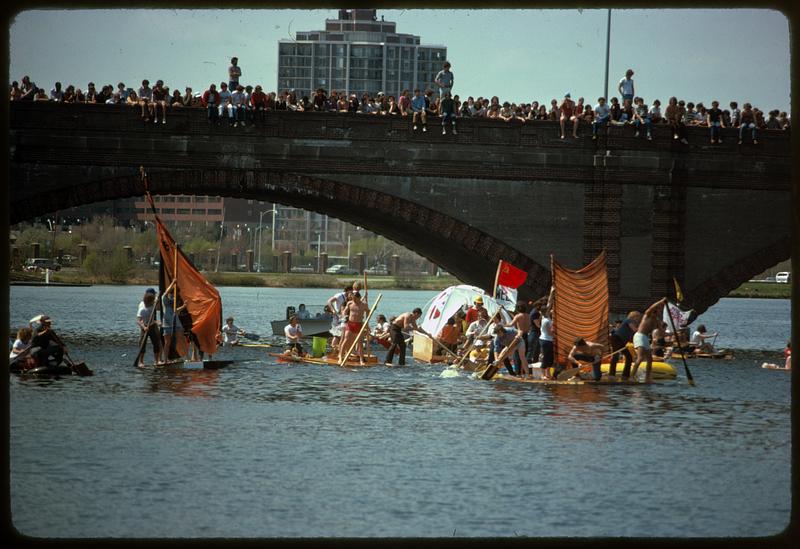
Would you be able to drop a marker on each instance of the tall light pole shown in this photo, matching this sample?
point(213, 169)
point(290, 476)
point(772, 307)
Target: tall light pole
point(260, 231)
point(608, 51)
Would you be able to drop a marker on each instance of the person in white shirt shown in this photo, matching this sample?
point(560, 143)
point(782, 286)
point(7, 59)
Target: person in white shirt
point(625, 87)
point(57, 94)
point(293, 332)
point(230, 333)
point(238, 101)
point(225, 102)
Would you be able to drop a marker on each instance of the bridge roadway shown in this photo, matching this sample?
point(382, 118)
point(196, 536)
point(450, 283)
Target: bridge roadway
point(711, 216)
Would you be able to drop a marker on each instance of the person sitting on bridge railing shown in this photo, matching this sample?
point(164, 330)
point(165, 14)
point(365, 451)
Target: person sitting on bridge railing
point(132, 100)
point(145, 100)
point(160, 96)
point(674, 116)
point(210, 101)
point(238, 101)
point(655, 112)
point(748, 122)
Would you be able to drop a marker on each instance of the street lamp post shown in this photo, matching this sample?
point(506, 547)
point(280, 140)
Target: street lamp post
point(260, 231)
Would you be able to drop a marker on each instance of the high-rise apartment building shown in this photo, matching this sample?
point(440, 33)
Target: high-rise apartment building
point(357, 53)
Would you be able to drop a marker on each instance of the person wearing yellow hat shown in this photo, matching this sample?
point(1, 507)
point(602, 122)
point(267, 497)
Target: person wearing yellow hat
point(473, 313)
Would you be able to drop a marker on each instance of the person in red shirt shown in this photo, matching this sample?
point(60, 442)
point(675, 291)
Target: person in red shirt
point(473, 313)
point(210, 101)
point(567, 109)
point(258, 101)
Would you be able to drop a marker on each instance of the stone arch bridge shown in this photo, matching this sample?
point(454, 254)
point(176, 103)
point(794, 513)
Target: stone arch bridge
point(711, 216)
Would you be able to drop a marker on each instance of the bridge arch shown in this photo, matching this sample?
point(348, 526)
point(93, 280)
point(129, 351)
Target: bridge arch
point(439, 237)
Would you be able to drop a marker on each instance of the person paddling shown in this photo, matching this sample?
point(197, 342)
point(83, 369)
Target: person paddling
point(149, 329)
point(586, 351)
point(641, 339)
point(403, 323)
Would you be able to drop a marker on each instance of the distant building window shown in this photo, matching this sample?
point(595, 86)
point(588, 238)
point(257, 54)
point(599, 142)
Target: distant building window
point(184, 211)
point(198, 212)
point(184, 199)
point(201, 199)
point(167, 210)
point(138, 210)
point(168, 199)
point(214, 211)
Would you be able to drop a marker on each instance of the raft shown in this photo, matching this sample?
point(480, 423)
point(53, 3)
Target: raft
point(190, 364)
point(603, 381)
point(724, 355)
point(332, 360)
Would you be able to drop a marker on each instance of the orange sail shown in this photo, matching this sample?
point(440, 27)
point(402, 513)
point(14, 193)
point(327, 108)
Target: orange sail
point(201, 298)
point(580, 306)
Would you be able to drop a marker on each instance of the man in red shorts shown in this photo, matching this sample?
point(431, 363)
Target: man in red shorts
point(354, 311)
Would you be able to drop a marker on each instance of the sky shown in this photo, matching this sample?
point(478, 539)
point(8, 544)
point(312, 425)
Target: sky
point(518, 55)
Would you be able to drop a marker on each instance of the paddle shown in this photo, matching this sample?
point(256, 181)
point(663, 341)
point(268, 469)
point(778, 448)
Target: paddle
point(361, 331)
point(80, 368)
point(491, 370)
point(444, 348)
point(683, 358)
point(143, 339)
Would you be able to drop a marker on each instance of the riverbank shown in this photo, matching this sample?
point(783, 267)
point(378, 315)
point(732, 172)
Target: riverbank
point(267, 280)
point(764, 290)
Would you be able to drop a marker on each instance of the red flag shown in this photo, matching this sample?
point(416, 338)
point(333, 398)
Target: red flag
point(510, 276)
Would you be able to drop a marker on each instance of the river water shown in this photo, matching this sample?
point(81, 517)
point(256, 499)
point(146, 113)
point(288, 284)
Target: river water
point(261, 449)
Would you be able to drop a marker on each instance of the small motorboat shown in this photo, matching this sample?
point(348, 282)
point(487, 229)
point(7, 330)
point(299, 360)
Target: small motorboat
point(319, 323)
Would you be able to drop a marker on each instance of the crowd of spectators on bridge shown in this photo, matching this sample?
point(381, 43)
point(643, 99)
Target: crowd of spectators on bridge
point(239, 105)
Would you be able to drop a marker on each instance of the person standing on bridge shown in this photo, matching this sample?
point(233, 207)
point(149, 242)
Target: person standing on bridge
point(625, 87)
point(234, 73)
point(445, 79)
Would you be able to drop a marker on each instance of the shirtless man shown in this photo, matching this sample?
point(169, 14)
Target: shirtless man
point(403, 322)
point(522, 323)
point(354, 312)
point(586, 351)
point(641, 339)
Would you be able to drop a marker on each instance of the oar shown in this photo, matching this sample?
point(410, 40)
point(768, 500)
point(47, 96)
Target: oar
point(361, 331)
point(491, 370)
point(445, 349)
point(683, 358)
point(143, 340)
point(79, 368)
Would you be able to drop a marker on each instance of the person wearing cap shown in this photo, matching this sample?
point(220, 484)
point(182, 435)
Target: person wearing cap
point(44, 343)
point(171, 327)
point(145, 319)
point(474, 312)
point(567, 110)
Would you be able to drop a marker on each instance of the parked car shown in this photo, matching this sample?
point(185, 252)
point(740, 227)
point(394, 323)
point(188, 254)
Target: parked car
point(782, 278)
point(377, 270)
point(35, 264)
point(341, 269)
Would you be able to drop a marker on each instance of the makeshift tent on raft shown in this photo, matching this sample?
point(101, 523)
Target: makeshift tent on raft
point(450, 300)
point(580, 305)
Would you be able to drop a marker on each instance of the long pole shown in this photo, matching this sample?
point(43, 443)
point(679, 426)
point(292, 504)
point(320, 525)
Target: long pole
point(319, 243)
point(219, 244)
point(677, 340)
point(274, 211)
point(361, 331)
point(608, 51)
point(260, 217)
